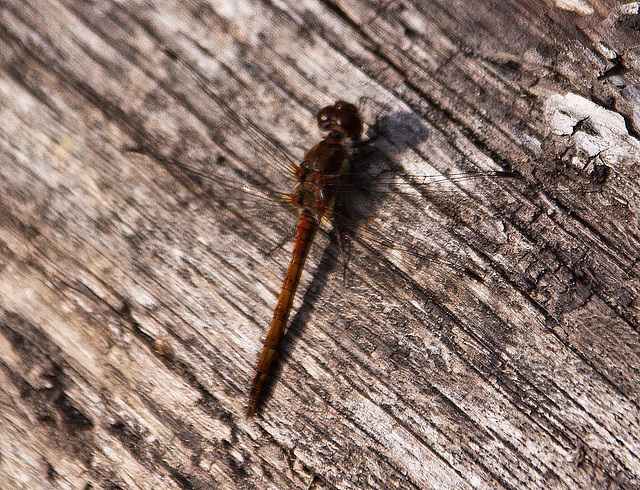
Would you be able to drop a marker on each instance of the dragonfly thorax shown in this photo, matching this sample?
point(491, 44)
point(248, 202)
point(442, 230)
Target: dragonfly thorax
point(313, 195)
point(322, 167)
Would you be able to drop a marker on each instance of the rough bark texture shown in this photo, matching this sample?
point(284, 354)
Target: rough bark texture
point(134, 294)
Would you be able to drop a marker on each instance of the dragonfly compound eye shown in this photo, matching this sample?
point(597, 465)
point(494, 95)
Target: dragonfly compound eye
point(343, 105)
point(326, 115)
point(349, 120)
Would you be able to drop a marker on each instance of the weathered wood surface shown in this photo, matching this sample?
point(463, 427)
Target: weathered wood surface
point(134, 297)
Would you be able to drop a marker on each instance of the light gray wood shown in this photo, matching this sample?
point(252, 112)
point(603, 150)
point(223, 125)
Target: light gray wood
point(134, 296)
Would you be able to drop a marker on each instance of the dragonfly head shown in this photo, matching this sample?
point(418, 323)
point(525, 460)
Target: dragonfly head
point(341, 117)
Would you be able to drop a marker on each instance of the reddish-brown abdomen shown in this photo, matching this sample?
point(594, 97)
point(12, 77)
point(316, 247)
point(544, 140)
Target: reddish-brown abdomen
point(307, 226)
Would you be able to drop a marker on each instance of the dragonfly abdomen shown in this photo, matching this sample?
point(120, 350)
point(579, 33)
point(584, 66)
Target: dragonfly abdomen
point(307, 226)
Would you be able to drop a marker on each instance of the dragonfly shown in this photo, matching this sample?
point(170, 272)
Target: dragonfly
point(319, 179)
point(313, 196)
point(323, 175)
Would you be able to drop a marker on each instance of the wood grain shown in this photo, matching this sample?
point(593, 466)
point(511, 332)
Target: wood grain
point(134, 295)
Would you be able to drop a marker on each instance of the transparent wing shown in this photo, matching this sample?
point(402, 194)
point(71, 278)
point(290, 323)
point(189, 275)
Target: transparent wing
point(366, 204)
point(366, 210)
point(418, 220)
point(264, 143)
